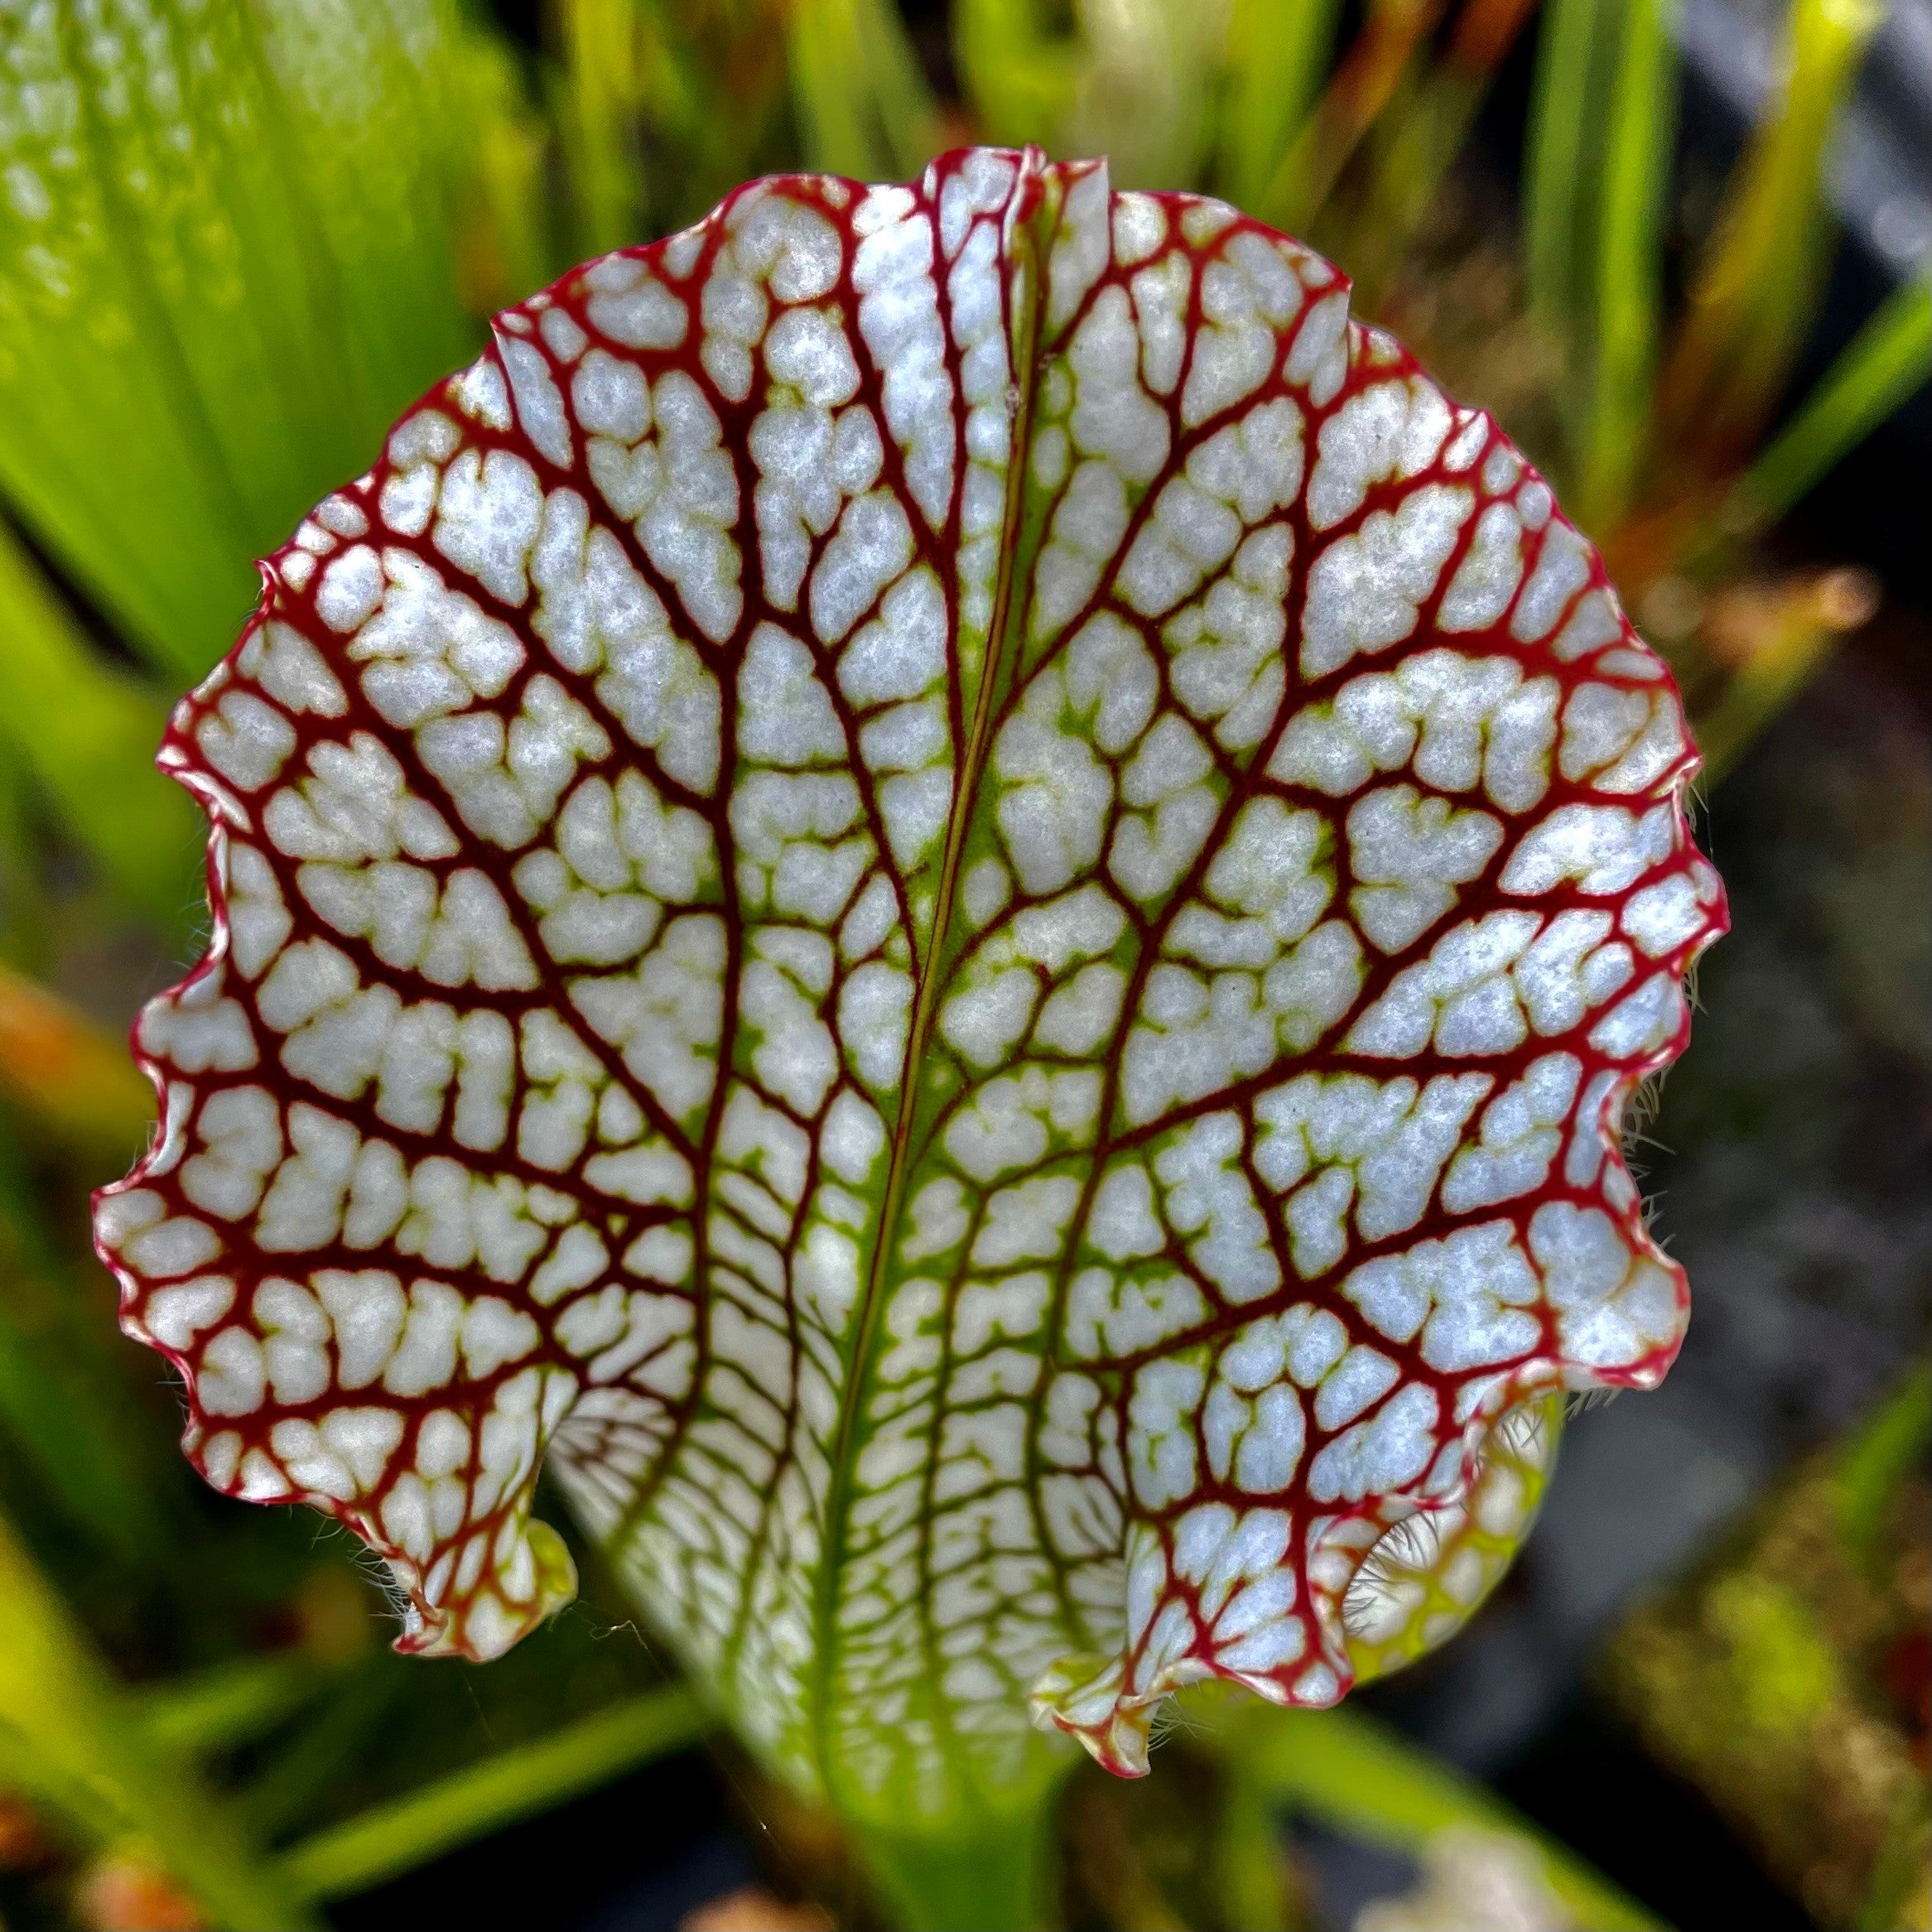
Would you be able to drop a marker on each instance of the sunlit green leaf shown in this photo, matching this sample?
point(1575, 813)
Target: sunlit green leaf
point(224, 263)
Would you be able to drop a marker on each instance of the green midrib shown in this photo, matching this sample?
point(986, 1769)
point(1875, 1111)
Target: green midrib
point(1023, 268)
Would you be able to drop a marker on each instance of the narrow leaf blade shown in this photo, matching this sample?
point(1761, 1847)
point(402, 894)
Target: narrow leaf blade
point(1554, 194)
point(486, 1797)
point(1886, 363)
point(1627, 284)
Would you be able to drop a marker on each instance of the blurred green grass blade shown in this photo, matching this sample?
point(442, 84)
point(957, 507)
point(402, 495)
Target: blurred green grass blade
point(1374, 73)
point(1415, 143)
point(1895, 1893)
point(1883, 1452)
point(506, 243)
point(225, 263)
point(1145, 95)
point(602, 89)
point(295, 1779)
point(227, 1704)
point(1147, 83)
point(1755, 290)
point(470, 1803)
point(24, 924)
point(1020, 79)
point(1555, 188)
point(89, 733)
point(905, 105)
point(1787, 631)
point(72, 1075)
point(1636, 164)
point(47, 1419)
point(1888, 359)
point(987, 1871)
point(1355, 1775)
point(1250, 1858)
point(863, 104)
point(61, 1414)
point(661, 109)
point(70, 1733)
point(1277, 59)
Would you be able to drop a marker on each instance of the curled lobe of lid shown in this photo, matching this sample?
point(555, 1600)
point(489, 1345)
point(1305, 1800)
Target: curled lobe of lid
point(960, 897)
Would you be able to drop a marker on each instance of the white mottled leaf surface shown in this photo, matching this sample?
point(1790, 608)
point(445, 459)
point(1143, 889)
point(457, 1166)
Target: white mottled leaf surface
point(958, 896)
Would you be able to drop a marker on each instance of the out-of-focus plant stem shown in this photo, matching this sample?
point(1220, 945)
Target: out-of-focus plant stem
point(294, 1776)
point(1772, 638)
point(1887, 1446)
point(1554, 196)
point(1415, 148)
point(1901, 1895)
point(1252, 1860)
point(986, 1871)
point(1889, 357)
point(659, 108)
point(1755, 292)
point(1370, 73)
point(1785, 1680)
point(57, 1415)
point(70, 1736)
point(1627, 296)
point(1276, 57)
point(70, 1074)
point(1020, 83)
point(503, 240)
point(87, 732)
point(1352, 1773)
point(228, 1704)
point(600, 93)
point(863, 105)
point(483, 1798)
point(1703, 530)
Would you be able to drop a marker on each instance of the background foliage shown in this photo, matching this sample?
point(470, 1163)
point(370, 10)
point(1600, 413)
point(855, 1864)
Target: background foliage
point(237, 237)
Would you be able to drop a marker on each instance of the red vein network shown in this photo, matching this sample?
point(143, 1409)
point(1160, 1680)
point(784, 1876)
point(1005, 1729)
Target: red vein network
point(959, 897)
